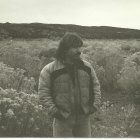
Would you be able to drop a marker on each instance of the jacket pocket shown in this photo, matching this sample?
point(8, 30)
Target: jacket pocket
point(58, 115)
point(63, 105)
point(92, 109)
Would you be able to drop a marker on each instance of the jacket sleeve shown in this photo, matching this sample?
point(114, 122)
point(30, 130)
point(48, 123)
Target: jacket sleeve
point(44, 92)
point(96, 88)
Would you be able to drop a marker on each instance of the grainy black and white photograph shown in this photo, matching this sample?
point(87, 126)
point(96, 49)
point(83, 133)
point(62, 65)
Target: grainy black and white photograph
point(70, 68)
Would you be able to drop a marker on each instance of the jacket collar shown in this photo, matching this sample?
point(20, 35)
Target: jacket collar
point(76, 64)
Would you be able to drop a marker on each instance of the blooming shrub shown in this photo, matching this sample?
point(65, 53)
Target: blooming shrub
point(23, 61)
point(14, 78)
point(107, 63)
point(21, 115)
point(129, 77)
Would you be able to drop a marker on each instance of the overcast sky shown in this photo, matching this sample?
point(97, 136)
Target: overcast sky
point(117, 13)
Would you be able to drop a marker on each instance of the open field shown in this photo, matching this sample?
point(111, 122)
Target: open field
point(117, 64)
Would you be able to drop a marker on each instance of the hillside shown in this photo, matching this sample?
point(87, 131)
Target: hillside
point(39, 30)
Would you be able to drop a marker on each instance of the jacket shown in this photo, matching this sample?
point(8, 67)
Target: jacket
point(56, 89)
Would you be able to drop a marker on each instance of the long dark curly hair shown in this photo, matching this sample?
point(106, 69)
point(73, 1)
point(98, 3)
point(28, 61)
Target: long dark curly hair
point(69, 40)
